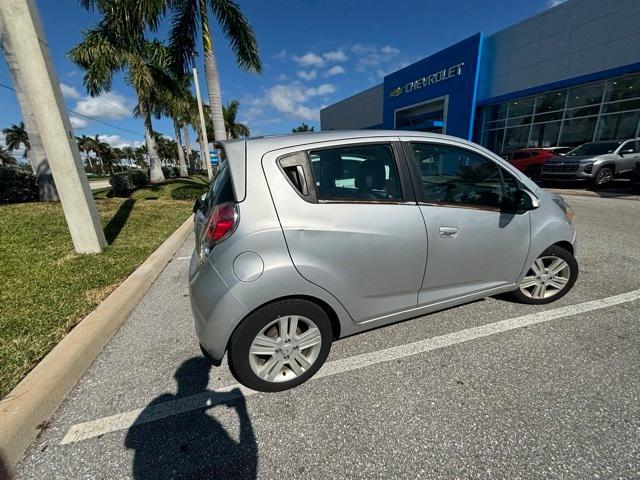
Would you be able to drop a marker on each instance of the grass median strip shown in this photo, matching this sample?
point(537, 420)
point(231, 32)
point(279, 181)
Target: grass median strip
point(46, 288)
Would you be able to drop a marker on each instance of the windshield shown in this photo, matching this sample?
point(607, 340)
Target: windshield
point(595, 148)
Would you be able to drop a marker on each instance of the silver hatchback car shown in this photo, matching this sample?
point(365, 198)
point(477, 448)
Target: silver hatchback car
point(307, 238)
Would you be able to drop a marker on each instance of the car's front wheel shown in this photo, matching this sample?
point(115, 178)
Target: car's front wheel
point(549, 277)
point(603, 177)
point(280, 345)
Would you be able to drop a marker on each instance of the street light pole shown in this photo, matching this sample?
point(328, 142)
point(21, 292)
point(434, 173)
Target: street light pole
point(25, 48)
point(203, 127)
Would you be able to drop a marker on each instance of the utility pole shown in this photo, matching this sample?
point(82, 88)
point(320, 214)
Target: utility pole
point(27, 50)
point(203, 127)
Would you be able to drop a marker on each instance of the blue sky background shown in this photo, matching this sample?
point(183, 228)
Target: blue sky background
point(314, 53)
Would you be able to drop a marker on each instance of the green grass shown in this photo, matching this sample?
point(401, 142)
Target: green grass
point(46, 288)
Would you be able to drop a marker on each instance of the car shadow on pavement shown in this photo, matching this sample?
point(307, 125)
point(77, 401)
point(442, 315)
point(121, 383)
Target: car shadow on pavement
point(192, 444)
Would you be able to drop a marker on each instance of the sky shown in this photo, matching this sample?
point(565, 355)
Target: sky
point(314, 53)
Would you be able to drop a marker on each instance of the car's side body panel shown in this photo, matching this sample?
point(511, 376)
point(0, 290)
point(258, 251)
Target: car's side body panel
point(276, 226)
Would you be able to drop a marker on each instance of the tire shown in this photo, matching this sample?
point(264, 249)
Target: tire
point(603, 177)
point(287, 351)
point(547, 285)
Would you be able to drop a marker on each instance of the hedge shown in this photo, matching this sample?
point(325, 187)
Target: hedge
point(124, 183)
point(171, 172)
point(189, 192)
point(17, 186)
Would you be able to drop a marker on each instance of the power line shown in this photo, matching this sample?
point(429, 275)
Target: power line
point(86, 116)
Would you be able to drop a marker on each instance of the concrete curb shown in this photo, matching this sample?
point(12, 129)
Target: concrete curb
point(32, 402)
point(588, 193)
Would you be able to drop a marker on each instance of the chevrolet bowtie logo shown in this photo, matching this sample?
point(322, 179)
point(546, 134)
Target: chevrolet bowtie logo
point(395, 92)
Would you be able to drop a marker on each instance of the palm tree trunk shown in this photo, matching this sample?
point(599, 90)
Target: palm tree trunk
point(187, 141)
point(204, 157)
point(183, 165)
point(211, 75)
point(155, 173)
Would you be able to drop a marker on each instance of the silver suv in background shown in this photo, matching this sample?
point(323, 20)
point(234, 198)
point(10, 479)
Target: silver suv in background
point(307, 238)
point(596, 162)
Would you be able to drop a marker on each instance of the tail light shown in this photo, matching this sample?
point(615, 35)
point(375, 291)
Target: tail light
point(221, 223)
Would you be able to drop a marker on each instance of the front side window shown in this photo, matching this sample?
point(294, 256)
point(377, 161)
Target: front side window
point(358, 172)
point(452, 175)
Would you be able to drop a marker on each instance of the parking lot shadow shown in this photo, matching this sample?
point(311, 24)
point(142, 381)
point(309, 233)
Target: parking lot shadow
point(192, 445)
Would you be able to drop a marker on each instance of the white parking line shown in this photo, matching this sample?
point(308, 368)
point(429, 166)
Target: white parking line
point(123, 421)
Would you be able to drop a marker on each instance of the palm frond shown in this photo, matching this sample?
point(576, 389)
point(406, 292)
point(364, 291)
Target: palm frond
point(184, 33)
point(239, 33)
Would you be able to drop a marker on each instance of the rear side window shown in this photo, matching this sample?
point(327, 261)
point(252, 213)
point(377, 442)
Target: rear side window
point(452, 175)
point(358, 172)
point(221, 189)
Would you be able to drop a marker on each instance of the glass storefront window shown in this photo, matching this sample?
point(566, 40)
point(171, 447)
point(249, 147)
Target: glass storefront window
point(516, 137)
point(621, 88)
point(585, 95)
point(618, 127)
point(547, 117)
point(492, 139)
point(544, 135)
point(496, 112)
point(622, 106)
point(578, 131)
point(551, 101)
point(582, 112)
point(606, 110)
point(520, 107)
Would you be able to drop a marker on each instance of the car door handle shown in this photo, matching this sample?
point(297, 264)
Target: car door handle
point(448, 232)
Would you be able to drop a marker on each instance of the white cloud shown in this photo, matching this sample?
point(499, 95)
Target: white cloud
point(389, 50)
point(69, 91)
point(108, 105)
point(335, 70)
point(554, 3)
point(335, 56)
point(307, 75)
point(78, 122)
point(310, 60)
point(371, 57)
point(291, 99)
point(116, 141)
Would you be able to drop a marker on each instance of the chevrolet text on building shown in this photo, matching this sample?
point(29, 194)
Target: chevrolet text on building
point(425, 81)
point(567, 76)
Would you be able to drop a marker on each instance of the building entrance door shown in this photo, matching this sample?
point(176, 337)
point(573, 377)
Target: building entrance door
point(429, 116)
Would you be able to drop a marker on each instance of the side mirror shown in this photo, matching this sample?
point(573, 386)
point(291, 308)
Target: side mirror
point(199, 203)
point(627, 151)
point(528, 201)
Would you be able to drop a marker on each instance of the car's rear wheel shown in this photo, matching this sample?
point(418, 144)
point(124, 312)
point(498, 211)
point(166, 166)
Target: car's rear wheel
point(549, 277)
point(280, 345)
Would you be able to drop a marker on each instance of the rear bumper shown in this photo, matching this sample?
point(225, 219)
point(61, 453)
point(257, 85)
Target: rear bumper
point(216, 311)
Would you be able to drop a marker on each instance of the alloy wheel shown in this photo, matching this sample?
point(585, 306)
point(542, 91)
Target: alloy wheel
point(604, 176)
point(547, 277)
point(285, 348)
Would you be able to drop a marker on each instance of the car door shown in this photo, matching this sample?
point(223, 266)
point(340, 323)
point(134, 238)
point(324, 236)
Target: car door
point(475, 243)
point(630, 157)
point(351, 222)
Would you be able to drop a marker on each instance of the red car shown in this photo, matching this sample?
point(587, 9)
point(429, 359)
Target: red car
point(530, 160)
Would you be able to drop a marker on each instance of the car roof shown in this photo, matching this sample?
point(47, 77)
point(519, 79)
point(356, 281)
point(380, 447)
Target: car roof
point(275, 142)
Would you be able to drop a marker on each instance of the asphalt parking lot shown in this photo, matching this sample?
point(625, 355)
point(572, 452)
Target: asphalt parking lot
point(492, 389)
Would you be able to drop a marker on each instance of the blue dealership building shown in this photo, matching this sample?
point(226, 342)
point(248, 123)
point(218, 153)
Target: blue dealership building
point(566, 76)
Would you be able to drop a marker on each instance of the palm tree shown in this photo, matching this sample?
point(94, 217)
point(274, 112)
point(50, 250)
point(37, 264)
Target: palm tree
point(5, 157)
point(302, 128)
point(15, 137)
point(233, 129)
point(128, 153)
point(191, 18)
point(118, 44)
point(85, 145)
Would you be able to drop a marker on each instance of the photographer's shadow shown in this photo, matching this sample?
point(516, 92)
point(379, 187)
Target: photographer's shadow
point(192, 444)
